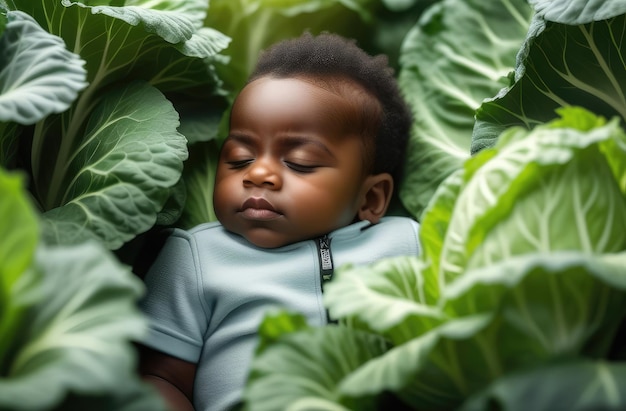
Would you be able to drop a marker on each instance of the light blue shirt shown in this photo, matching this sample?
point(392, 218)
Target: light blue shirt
point(209, 290)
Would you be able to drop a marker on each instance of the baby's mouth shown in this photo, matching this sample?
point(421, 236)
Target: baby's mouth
point(258, 208)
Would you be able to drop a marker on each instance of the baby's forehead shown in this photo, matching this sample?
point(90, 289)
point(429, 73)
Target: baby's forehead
point(363, 103)
point(342, 86)
point(348, 101)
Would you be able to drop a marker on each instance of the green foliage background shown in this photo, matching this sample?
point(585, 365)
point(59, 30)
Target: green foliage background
point(111, 117)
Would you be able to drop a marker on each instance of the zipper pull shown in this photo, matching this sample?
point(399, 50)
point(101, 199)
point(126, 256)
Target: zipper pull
point(325, 258)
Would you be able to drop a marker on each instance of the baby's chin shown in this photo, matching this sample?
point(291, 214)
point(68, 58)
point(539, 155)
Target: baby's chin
point(266, 238)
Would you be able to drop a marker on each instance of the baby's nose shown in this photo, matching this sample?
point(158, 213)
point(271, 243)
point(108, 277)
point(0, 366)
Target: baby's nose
point(263, 173)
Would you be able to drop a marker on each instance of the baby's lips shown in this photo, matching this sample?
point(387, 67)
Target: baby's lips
point(258, 203)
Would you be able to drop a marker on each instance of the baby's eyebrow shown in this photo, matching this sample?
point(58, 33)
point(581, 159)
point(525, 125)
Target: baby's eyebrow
point(241, 138)
point(291, 141)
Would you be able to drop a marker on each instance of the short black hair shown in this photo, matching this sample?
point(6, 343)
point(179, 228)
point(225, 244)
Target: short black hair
point(330, 56)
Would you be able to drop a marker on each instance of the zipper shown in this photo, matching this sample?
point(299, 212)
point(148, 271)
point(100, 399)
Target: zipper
point(325, 258)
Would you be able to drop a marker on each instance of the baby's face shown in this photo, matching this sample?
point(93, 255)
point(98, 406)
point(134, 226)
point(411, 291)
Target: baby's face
point(292, 166)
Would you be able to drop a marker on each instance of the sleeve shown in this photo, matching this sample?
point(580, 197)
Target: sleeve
point(173, 304)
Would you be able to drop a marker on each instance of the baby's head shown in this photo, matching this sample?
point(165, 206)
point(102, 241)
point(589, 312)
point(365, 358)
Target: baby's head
point(317, 140)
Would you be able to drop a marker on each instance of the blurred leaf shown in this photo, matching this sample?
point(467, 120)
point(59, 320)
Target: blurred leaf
point(574, 385)
point(199, 180)
point(78, 336)
point(19, 232)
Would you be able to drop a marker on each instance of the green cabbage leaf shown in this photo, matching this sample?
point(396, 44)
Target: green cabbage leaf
point(572, 56)
point(107, 158)
point(459, 53)
point(596, 386)
point(68, 316)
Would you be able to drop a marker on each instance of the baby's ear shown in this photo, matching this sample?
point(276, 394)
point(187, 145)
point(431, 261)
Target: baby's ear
point(377, 190)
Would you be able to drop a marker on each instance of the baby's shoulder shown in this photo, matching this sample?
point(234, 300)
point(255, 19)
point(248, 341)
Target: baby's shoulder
point(395, 224)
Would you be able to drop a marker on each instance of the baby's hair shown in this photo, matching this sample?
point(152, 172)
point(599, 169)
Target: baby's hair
point(332, 57)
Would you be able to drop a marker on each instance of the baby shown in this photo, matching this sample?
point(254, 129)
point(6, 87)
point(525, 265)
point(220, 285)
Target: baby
point(315, 148)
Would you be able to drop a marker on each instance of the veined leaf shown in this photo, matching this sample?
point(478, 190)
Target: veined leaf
point(574, 385)
point(179, 23)
point(511, 316)
point(116, 51)
point(38, 75)
point(531, 292)
point(205, 43)
point(390, 297)
point(429, 371)
point(458, 54)
point(435, 223)
point(119, 178)
point(306, 367)
point(567, 205)
point(578, 11)
point(141, 42)
point(162, 42)
point(77, 339)
point(568, 208)
point(175, 22)
point(559, 65)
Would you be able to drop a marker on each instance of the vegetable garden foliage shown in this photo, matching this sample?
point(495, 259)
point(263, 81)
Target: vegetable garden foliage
point(255, 24)
point(90, 100)
point(111, 113)
point(459, 53)
point(101, 144)
point(573, 55)
point(67, 316)
point(518, 298)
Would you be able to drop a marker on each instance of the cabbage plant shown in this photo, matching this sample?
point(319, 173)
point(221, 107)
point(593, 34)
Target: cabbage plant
point(517, 300)
point(92, 101)
point(64, 347)
point(459, 53)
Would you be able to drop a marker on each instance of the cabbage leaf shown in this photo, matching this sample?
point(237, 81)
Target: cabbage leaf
point(103, 165)
point(68, 316)
point(458, 54)
point(576, 385)
point(311, 362)
point(130, 155)
point(572, 56)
